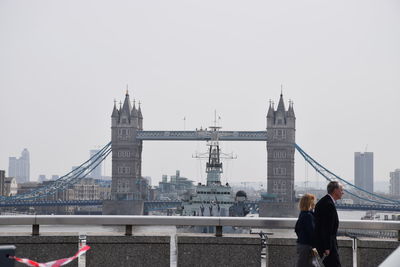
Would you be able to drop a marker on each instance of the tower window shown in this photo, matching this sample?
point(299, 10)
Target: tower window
point(279, 154)
point(124, 170)
point(279, 171)
point(280, 134)
point(124, 154)
point(123, 131)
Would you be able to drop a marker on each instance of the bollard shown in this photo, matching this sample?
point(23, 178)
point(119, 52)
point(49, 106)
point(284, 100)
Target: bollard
point(218, 231)
point(35, 229)
point(6, 251)
point(128, 230)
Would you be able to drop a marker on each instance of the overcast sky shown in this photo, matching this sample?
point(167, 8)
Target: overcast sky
point(62, 64)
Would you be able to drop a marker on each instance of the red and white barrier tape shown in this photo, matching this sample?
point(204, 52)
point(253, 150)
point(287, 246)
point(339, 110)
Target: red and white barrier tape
point(55, 263)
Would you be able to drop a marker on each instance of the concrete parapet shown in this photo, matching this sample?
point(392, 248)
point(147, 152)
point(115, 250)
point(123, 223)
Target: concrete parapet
point(209, 250)
point(128, 251)
point(346, 251)
point(278, 209)
point(123, 207)
point(372, 251)
point(42, 248)
point(282, 251)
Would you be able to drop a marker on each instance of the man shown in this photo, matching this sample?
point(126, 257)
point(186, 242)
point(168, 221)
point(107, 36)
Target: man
point(327, 223)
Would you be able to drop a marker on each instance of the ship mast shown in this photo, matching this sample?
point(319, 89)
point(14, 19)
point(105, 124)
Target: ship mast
point(214, 165)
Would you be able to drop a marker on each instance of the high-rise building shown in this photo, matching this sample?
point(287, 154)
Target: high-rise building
point(96, 172)
point(20, 167)
point(395, 183)
point(364, 170)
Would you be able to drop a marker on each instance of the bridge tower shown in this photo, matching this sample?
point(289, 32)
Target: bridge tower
point(281, 129)
point(128, 189)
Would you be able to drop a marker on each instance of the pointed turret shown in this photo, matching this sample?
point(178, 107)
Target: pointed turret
point(270, 113)
point(140, 112)
point(134, 112)
point(134, 116)
point(140, 118)
point(126, 108)
point(115, 113)
point(290, 111)
point(281, 105)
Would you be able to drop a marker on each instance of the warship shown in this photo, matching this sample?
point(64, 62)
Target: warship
point(212, 198)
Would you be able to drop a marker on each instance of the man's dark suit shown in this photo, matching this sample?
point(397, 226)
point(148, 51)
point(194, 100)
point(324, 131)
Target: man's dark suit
point(326, 225)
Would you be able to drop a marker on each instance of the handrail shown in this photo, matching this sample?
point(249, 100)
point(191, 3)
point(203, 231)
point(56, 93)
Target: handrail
point(218, 222)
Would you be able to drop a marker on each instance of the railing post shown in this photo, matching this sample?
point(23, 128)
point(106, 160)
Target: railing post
point(218, 230)
point(128, 230)
point(398, 235)
point(35, 229)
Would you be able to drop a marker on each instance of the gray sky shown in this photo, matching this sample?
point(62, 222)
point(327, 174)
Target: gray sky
point(62, 63)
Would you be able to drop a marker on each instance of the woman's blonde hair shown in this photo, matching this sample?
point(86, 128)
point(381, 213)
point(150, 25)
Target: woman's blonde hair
point(307, 202)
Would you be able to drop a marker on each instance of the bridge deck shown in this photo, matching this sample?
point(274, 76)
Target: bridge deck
point(204, 135)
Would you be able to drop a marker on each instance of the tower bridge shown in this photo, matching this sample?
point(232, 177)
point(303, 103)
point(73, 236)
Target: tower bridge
point(129, 193)
point(127, 136)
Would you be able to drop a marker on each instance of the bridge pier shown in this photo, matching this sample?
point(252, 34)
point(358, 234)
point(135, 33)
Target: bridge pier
point(123, 207)
point(278, 209)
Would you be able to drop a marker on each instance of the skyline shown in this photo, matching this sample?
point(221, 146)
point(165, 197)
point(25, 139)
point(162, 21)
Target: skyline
point(64, 63)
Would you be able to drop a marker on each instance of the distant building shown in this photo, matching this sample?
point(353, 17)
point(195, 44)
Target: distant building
point(26, 187)
point(2, 178)
point(364, 170)
point(42, 178)
point(86, 189)
point(177, 188)
point(8, 185)
point(395, 183)
point(96, 173)
point(55, 177)
point(20, 167)
point(148, 179)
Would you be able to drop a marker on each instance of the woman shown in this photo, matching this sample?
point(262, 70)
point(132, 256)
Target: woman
point(305, 231)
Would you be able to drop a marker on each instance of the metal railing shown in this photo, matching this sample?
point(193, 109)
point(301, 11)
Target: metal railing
point(218, 222)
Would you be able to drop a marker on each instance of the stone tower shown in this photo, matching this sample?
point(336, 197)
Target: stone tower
point(128, 191)
point(281, 129)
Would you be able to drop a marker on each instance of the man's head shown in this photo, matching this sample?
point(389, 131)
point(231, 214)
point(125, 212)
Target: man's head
point(335, 189)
